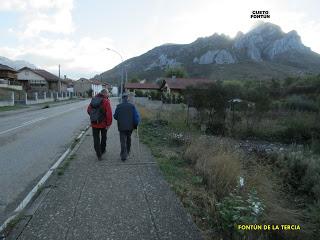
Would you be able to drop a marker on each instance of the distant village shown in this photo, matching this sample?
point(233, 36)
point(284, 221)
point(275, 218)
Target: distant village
point(39, 85)
point(39, 80)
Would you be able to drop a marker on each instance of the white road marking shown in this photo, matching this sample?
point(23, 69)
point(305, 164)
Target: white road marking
point(37, 120)
point(43, 180)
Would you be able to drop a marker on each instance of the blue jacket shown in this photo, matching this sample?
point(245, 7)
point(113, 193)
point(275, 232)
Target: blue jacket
point(127, 116)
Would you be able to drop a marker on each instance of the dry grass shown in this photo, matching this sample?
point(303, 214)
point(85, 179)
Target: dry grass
point(219, 164)
point(278, 208)
point(146, 113)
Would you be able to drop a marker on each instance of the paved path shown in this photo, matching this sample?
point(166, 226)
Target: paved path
point(30, 142)
point(108, 199)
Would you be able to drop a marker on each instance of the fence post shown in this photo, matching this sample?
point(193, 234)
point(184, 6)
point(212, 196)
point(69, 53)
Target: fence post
point(51, 95)
point(57, 94)
point(45, 95)
point(26, 98)
point(12, 98)
point(36, 96)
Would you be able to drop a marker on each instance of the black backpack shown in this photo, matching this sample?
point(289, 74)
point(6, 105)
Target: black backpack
point(97, 113)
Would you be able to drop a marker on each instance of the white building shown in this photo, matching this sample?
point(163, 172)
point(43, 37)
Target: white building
point(96, 87)
point(84, 86)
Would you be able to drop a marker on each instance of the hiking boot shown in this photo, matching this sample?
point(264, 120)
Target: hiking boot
point(103, 152)
point(123, 159)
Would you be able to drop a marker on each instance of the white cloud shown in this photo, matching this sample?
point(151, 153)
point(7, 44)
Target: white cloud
point(7, 5)
point(77, 58)
point(47, 30)
point(84, 56)
point(41, 16)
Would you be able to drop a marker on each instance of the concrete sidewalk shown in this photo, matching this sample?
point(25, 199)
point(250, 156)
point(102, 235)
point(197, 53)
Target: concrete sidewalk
point(107, 199)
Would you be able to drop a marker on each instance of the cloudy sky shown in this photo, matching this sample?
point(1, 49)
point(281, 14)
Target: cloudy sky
point(75, 33)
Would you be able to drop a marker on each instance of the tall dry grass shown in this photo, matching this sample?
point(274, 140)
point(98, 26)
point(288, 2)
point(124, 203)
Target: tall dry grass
point(220, 162)
point(217, 161)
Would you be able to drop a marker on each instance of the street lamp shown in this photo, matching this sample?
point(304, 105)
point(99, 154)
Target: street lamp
point(123, 69)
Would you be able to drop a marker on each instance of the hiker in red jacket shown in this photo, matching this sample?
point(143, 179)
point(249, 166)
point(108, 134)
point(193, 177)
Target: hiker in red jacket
point(100, 113)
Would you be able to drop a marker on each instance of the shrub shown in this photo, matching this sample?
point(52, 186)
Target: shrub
point(155, 95)
point(297, 130)
point(139, 93)
point(300, 103)
point(301, 171)
point(178, 72)
point(235, 209)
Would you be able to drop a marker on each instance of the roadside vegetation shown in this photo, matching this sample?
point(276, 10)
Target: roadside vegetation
point(10, 108)
point(223, 184)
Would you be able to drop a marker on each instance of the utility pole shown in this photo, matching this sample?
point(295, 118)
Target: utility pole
point(122, 70)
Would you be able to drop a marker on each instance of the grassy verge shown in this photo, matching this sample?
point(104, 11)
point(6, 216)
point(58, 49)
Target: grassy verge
point(181, 177)
point(62, 168)
point(222, 186)
point(10, 108)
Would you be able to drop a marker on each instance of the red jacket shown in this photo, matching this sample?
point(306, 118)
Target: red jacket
point(107, 109)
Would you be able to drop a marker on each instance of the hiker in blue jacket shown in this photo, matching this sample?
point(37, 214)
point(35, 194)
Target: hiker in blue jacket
point(128, 119)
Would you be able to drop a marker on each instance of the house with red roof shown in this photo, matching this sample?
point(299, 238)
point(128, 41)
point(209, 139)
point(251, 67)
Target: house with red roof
point(131, 87)
point(170, 85)
point(177, 85)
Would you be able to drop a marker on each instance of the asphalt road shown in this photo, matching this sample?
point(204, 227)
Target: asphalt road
point(30, 142)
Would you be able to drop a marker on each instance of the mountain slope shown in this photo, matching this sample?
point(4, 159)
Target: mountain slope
point(17, 64)
point(265, 52)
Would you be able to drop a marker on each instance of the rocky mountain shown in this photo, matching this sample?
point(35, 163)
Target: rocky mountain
point(15, 64)
point(265, 52)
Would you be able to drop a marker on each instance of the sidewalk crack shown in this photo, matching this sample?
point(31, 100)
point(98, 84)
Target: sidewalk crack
point(148, 204)
point(76, 206)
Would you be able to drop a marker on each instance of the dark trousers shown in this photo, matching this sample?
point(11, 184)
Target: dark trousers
point(99, 146)
point(125, 141)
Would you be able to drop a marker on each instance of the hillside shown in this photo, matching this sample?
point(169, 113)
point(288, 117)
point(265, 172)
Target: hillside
point(265, 52)
point(15, 64)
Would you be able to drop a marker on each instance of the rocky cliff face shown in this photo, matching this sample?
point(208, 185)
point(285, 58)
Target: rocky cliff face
point(216, 57)
point(267, 41)
point(264, 52)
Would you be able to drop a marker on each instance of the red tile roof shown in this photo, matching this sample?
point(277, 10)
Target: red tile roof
point(145, 86)
point(183, 83)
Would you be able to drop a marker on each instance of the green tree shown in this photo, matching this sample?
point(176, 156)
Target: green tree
point(211, 101)
point(134, 80)
point(178, 72)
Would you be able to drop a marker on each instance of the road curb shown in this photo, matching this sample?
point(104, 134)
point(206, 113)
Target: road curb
point(31, 195)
